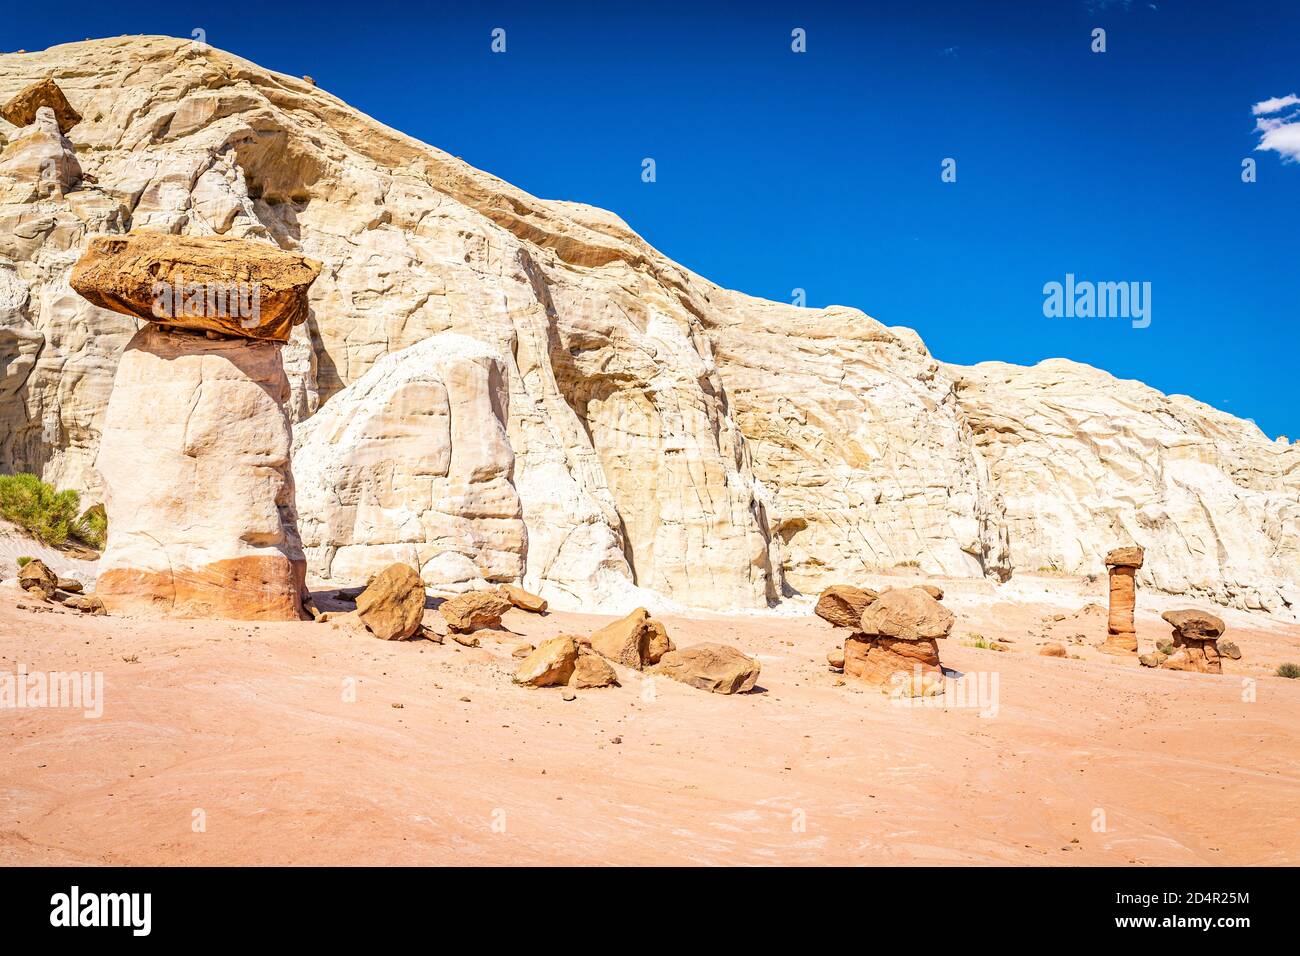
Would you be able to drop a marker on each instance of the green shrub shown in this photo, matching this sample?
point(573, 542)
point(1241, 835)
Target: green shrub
point(92, 527)
point(24, 560)
point(1289, 670)
point(1166, 648)
point(47, 515)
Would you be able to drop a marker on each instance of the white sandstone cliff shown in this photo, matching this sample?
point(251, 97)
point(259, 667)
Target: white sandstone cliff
point(668, 434)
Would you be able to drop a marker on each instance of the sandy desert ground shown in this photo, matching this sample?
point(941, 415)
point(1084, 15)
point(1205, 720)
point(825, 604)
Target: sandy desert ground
point(441, 760)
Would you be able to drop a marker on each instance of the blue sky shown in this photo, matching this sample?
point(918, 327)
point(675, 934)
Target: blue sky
point(821, 170)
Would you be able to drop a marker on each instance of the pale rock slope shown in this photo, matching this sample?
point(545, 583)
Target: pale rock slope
point(412, 463)
point(1081, 459)
point(669, 437)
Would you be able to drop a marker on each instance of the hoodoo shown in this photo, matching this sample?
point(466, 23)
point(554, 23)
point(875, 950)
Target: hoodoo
point(195, 453)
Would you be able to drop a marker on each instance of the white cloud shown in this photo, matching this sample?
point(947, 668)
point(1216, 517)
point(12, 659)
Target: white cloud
point(1275, 104)
point(1281, 132)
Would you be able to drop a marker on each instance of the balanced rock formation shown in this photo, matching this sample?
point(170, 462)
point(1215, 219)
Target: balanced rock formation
point(633, 641)
point(1195, 642)
point(895, 647)
point(552, 664)
point(25, 106)
point(215, 284)
point(713, 667)
point(197, 484)
point(843, 604)
point(392, 605)
point(1121, 632)
point(655, 450)
point(41, 157)
point(412, 463)
point(473, 610)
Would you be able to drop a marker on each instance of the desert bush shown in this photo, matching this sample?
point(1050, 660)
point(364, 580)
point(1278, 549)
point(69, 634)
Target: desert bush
point(24, 560)
point(1166, 648)
point(47, 515)
point(1288, 670)
point(92, 527)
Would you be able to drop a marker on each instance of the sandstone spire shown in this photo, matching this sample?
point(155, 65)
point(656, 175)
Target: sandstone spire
point(1122, 634)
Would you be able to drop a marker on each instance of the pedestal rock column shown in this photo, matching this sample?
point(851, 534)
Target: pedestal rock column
point(1121, 633)
point(195, 451)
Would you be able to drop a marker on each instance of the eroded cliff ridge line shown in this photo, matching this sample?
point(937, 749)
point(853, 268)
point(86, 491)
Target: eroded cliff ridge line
point(667, 434)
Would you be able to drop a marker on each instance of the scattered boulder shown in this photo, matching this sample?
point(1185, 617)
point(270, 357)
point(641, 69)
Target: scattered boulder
point(592, 670)
point(658, 643)
point(835, 658)
point(933, 590)
point(712, 667)
point(86, 604)
point(71, 585)
point(473, 610)
point(392, 605)
point(522, 650)
point(843, 604)
point(1228, 649)
point(233, 287)
point(34, 576)
point(22, 108)
point(551, 665)
point(524, 600)
point(633, 641)
point(1154, 659)
point(1052, 650)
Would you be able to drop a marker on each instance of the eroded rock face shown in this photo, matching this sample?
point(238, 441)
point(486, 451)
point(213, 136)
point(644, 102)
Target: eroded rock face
point(220, 284)
point(412, 463)
point(906, 667)
point(1083, 460)
point(669, 435)
point(198, 489)
point(716, 668)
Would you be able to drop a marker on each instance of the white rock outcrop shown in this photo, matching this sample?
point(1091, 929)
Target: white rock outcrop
point(669, 437)
point(411, 463)
point(199, 492)
point(1082, 462)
